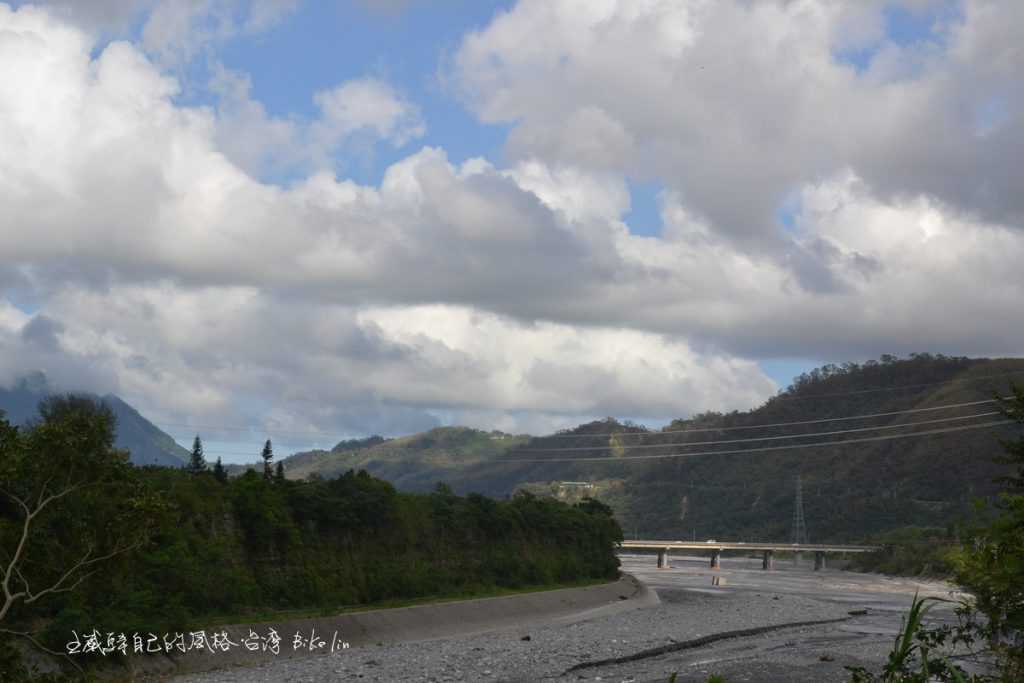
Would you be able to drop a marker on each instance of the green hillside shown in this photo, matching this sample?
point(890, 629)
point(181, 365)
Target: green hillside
point(412, 463)
point(851, 492)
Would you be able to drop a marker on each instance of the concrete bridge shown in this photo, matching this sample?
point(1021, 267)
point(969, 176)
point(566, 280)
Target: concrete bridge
point(716, 548)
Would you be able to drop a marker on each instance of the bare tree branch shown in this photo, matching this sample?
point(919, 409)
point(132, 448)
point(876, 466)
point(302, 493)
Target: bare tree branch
point(19, 501)
point(13, 565)
point(57, 587)
point(42, 490)
point(63, 589)
point(86, 561)
point(24, 581)
point(57, 496)
point(10, 598)
point(28, 636)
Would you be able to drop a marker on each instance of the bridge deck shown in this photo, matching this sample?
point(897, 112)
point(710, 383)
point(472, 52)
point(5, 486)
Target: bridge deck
point(720, 546)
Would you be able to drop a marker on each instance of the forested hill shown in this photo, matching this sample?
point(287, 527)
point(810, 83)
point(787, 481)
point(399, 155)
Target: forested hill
point(851, 491)
point(412, 463)
point(144, 441)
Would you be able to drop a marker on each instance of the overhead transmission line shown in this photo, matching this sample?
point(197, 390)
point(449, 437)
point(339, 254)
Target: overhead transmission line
point(254, 453)
point(698, 430)
point(259, 429)
point(872, 390)
point(795, 423)
point(747, 440)
point(255, 428)
point(778, 424)
point(756, 438)
point(760, 449)
point(693, 430)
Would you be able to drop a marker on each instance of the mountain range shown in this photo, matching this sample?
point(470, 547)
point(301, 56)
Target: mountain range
point(851, 491)
point(717, 475)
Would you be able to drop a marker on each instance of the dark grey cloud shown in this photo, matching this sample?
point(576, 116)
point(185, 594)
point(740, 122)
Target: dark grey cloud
point(42, 333)
point(30, 346)
point(111, 17)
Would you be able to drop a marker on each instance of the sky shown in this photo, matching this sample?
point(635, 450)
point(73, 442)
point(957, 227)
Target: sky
point(317, 220)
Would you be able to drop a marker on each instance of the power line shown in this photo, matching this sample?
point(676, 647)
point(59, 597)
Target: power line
point(730, 441)
point(874, 390)
point(761, 449)
point(237, 428)
point(737, 428)
point(256, 450)
point(760, 438)
point(776, 424)
point(254, 454)
point(259, 430)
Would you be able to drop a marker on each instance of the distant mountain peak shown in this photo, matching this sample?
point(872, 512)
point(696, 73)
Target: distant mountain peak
point(145, 442)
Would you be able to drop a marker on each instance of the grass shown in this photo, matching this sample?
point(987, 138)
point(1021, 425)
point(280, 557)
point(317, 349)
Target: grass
point(912, 659)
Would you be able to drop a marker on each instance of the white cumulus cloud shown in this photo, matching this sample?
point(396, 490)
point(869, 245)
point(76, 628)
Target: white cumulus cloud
point(164, 265)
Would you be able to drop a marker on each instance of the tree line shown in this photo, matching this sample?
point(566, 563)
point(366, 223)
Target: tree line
point(197, 463)
point(90, 541)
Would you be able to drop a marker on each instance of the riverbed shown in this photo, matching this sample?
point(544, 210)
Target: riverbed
point(858, 616)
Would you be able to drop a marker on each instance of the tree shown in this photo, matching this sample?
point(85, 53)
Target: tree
point(219, 473)
point(1013, 409)
point(991, 565)
point(68, 503)
point(197, 463)
point(279, 473)
point(268, 458)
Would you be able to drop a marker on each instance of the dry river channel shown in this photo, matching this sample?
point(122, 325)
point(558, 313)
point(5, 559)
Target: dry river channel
point(791, 624)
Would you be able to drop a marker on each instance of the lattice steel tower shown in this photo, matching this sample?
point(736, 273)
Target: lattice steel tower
point(799, 526)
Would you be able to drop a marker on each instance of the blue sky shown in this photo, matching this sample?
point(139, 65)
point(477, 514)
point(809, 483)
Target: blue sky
point(326, 43)
point(907, 26)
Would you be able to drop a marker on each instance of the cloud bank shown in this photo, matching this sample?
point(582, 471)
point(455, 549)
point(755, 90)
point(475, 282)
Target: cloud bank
point(815, 204)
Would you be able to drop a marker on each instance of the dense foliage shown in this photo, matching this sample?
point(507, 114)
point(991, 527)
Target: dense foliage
point(910, 551)
point(209, 549)
point(990, 565)
point(68, 502)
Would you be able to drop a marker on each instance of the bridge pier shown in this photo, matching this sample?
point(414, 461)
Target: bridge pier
point(662, 547)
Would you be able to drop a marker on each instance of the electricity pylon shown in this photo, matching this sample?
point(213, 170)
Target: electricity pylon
point(799, 534)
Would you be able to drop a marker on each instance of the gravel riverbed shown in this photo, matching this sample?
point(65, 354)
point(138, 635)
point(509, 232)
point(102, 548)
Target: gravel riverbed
point(689, 609)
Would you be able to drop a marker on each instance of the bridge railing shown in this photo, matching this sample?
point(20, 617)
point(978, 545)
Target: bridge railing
point(768, 549)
